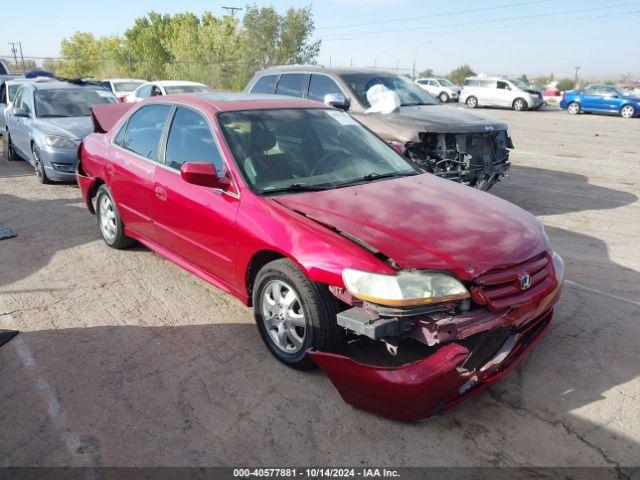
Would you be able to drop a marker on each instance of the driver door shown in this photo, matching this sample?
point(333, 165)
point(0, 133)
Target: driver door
point(195, 223)
point(19, 127)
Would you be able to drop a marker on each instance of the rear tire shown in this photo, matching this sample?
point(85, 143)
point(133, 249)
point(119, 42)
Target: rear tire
point(520, 105)
point(573, 108)
point(444, 97)
point(284, 296)
point(109, 221)
point(41, 173)
point(472, 102)
point(628, 111)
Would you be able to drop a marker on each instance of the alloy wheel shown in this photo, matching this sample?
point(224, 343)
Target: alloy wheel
point(627, 111)
point(283, 316)
point(37, 165)
point(519, 105)
point(108, 226)
point(574, 108)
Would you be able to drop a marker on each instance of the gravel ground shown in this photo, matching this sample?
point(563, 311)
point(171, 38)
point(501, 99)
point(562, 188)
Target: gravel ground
point(125, 359)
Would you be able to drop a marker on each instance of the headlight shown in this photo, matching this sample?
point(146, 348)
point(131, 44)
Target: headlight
point(59, 142)
point(404, 288)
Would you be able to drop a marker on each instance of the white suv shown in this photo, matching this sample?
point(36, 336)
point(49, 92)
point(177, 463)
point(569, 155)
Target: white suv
point(500, 92)
point(441, 88)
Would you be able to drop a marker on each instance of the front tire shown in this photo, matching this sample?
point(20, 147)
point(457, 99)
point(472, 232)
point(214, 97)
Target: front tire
point(628, 111)
point(472, 102)
point(294, 314)
point(109, 221)
point(12, 156)
point(444, 97)
point(38, 166)
point(573, 108)
point(520, 104)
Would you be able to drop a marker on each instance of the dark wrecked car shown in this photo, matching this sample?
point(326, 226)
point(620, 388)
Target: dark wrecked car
point(453, 143)
point(409, 291)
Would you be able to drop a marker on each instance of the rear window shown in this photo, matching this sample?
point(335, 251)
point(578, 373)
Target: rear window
point(471, 83)
point(291, 84)
point(126, 86)
point(266, 84)
point(186, 89)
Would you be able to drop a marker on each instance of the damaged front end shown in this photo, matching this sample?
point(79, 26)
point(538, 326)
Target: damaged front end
point(478, 159)
point(412, 362)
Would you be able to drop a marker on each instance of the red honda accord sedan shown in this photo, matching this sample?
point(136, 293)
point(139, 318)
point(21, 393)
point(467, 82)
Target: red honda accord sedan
point(410, 292)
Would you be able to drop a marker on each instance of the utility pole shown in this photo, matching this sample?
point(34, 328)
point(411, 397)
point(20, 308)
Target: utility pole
point(575, 78)
point(13, 50)
point(232, 10)
point(24, 69)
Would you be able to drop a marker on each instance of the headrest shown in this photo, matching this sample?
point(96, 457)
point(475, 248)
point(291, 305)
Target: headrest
point(262, 139)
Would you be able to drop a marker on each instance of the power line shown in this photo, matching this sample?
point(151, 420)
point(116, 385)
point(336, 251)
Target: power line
point(232, 10)
point(479, 22)
point(444, 14)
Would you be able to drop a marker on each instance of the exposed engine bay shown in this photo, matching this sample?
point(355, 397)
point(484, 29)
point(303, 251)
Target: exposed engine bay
point(478, 159)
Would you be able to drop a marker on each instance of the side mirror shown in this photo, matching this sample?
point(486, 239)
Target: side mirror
point(21, 112)
point(203, 174)
point(337, 100)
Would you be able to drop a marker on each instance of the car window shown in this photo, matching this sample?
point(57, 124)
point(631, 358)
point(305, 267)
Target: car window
point(27, 100)
point(120, 135)
point(589, 91)
point(291, 84)
point(172, 89)
point(320, 86)
point(266, 84)
point(144, 130)
point(410, 94)
point(17, 103)
point(69, 102)
point(155, 91)
point(126, 87)
point(487, 83)
point(503, 85)
point(470, 83)
point(190, 140)
point(144, 91)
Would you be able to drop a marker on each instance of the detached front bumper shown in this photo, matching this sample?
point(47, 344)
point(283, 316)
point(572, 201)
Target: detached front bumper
point(484, 348)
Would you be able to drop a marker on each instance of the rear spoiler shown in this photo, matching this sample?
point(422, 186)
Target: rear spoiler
point(106, 115)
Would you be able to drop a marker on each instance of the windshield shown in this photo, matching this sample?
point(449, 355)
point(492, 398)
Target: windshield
point(410, 93)
point(446, 83)
point(519, 83)
point(126, 86)
point(307, 149)
point(186, 89)
point(69, 102)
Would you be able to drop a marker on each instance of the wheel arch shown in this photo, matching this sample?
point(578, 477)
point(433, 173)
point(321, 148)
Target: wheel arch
point(258, 260)
point(93, 190)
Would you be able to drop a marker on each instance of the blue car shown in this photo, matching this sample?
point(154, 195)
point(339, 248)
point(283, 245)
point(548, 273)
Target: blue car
point(47, 122)
point(601, 99)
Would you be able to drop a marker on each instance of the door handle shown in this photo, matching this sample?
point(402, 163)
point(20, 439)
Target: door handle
point(161, 194)
point(109, 169)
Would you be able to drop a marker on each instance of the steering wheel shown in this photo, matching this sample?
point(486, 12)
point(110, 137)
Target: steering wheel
point(336, 155)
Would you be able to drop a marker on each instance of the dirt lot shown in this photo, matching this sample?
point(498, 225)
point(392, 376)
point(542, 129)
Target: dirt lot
point(125, 359)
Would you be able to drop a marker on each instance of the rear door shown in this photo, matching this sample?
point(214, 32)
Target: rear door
point(488, 93)
point(131, 173)
point(19, 126)
point(503, 94)
point(590, 99)
point(195, 223)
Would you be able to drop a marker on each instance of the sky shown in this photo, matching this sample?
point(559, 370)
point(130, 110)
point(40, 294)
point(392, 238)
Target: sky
point(508, 37)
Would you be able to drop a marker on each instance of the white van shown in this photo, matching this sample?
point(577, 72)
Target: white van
point(500, 92)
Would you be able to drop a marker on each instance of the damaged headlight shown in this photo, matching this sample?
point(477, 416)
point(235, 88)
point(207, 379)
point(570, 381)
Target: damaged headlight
point(404, 288)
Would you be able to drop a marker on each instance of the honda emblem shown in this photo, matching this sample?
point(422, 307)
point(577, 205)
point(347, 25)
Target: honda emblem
point(525, 281)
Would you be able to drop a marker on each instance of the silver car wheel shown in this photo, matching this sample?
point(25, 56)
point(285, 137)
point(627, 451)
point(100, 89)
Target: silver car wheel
point(573, 108)
point(627, 111)
point(108, 226)
point(472, 102)
point(283, 316)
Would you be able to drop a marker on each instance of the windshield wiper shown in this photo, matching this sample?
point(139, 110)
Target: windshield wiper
point(377, 176)
point(298, 187)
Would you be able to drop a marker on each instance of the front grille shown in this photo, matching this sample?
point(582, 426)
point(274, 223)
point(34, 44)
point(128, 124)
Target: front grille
point(502, 288)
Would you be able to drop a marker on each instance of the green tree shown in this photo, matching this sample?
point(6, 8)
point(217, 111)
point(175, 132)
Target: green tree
point(426, 73)
point(458, 75)
point(51, 65)
point(566, 84)
point(542, 82)
point(81, 54)
point(272, 39)
point(524, 78)
point(146, 52)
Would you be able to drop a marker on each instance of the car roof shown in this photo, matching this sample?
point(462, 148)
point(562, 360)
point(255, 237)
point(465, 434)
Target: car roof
point(323, 69)
point(124, 80)
point(226, 102)
point(174, 83)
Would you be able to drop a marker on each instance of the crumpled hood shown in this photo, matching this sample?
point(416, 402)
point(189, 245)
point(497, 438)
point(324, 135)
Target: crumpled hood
point(75, 128)
point(428, 223)
point(407, 122)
